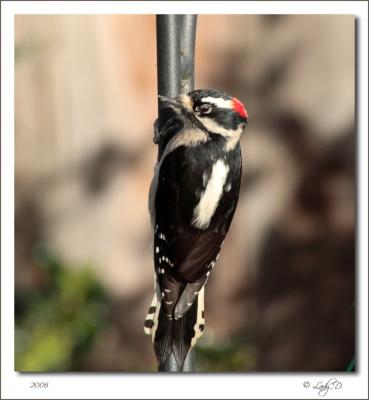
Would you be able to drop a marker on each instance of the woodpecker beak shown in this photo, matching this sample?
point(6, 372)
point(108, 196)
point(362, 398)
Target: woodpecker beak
point(173, 103)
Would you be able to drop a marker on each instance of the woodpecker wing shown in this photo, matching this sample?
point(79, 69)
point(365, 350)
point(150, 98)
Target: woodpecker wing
point(183, 253)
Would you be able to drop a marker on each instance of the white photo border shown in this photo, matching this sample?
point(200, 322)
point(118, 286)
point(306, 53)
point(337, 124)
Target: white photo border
point(16, 385)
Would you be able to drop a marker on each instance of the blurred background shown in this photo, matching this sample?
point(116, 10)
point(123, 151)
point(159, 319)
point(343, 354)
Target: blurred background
point(282, 296)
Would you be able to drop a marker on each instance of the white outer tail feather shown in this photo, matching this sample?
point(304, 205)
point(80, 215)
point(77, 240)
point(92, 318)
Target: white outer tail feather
point(154, 315)
point(200, 320)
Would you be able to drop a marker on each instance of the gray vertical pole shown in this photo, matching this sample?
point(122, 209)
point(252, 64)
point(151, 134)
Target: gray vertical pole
point(175, 35)
point(188, 36)
point(169, 60)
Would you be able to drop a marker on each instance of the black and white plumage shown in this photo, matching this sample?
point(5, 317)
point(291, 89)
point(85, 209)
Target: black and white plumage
point(192, 200)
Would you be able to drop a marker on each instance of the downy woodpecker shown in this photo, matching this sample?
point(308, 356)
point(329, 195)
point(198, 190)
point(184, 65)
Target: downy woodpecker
point(192, 200)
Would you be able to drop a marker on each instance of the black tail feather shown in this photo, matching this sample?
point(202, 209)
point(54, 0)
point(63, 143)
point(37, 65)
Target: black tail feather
point(173, 338)
point(163, 341)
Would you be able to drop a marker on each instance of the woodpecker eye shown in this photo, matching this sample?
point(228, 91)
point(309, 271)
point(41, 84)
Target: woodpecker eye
point(203, 108)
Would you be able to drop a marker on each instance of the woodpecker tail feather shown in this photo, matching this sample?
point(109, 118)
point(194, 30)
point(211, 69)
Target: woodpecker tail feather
point(175, 336)
point(151, 321)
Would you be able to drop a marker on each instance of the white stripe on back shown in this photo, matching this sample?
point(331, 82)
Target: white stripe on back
point(210, 197)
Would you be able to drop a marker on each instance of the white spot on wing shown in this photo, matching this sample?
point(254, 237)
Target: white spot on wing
point(162, 236)
point(157, 250)
point(210, 197)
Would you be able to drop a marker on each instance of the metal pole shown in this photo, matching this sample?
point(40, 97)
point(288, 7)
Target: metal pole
point(169, 60)
point(187, 40)
point(175, 35)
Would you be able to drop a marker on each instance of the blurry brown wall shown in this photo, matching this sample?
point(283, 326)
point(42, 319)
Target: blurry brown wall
point(85, 103)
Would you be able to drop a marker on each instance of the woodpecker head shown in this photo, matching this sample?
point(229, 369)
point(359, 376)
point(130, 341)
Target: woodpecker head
point(212, 110)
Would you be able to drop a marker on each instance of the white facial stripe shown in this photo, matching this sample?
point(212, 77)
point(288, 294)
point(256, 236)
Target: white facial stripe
point(233, 140)
point(218, 101)
point(210, 197)
point(213, 127)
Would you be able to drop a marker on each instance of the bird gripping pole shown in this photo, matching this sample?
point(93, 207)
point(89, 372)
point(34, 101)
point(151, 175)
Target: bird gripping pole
point(175, 35)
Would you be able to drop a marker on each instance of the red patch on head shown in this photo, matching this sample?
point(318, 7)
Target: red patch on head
point(239, 108)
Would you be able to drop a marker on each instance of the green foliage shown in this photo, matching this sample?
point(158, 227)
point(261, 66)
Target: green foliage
point(57, 322)
point(233, 356)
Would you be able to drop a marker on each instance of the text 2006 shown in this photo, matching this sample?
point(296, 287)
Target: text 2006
point(39, 385)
